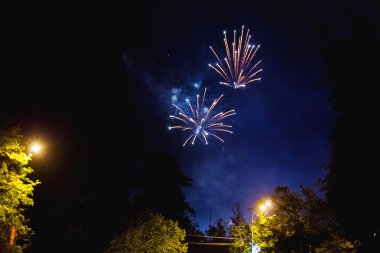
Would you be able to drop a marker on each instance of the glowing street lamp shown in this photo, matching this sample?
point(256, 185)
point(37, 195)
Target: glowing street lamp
point(267, 204)
point(35, 149)
point(252, 244)
point(263, 208)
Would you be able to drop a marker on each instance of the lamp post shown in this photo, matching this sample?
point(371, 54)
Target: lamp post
point(253, 247)
point(253, 213)
point(263, 208)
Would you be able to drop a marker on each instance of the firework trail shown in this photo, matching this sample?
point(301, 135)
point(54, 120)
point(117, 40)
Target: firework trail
point(237, 70)
point(200, 121)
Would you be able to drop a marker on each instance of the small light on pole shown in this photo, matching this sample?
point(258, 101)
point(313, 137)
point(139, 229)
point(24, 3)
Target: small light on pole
point(253, 213)
point(263, 208)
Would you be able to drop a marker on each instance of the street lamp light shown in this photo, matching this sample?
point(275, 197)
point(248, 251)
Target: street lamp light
point(263, 208)
point(35, 148)
point(267, 204)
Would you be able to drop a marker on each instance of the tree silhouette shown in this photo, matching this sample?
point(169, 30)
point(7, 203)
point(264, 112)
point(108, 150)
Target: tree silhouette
point(352, 184)
point(240, 229)
point(160, 186)
point(219, 229)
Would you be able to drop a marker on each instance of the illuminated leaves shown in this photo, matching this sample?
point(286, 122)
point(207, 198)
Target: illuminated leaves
point(150, 233)
point(299, 222)
point(16, 188)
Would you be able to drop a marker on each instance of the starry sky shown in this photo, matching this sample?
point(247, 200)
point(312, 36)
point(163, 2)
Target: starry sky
point(96, 84)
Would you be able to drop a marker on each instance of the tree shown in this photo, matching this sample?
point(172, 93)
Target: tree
point(218, 230)
point(240, 229)
point(299, 222)
point(150, 233)
point(160, 184)
point(16, 191)
point(352, 175)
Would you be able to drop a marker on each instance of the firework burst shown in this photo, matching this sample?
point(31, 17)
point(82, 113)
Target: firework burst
point(200, 121)
point(237, 69)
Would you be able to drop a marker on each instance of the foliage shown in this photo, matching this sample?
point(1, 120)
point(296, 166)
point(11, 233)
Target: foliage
point(219, 229)
point(299, 222)
point(194, 229)
point(240, 229)
point(160, 185)
point(16, 189)
point(352, 177)
point(150, 233)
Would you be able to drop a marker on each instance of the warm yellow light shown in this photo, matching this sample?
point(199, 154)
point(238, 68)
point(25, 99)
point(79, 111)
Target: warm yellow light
point(36, 148)
point(268, 203)
point(263, 208)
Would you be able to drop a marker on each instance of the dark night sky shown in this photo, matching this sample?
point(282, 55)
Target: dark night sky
point(95, 84)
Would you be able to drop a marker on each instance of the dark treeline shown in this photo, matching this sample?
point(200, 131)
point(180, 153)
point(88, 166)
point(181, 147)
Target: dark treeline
point(352, 183)
point(159, 186)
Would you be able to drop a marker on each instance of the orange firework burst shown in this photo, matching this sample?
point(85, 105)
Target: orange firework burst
point(237, 69)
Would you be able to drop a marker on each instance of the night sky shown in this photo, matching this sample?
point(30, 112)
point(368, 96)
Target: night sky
point(95, 85)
